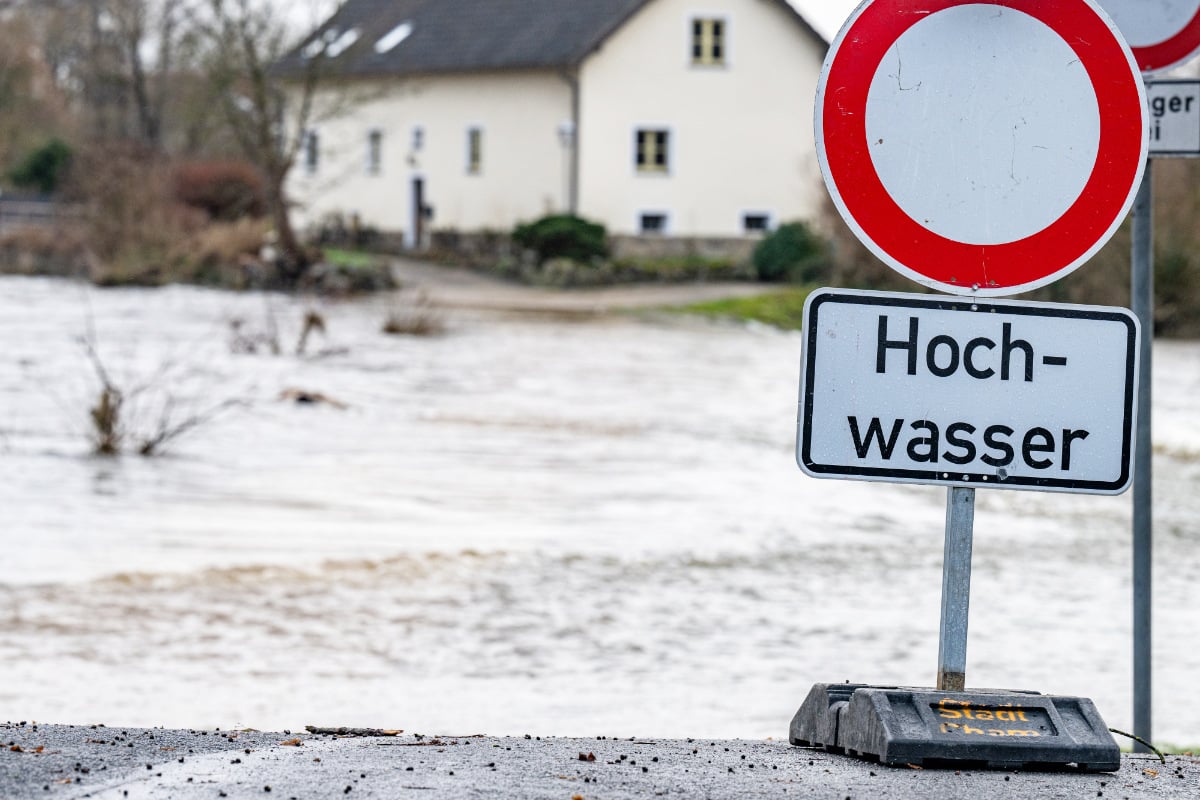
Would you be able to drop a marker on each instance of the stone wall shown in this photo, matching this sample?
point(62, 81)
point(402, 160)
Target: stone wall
point(485, 248)
point(735, 249)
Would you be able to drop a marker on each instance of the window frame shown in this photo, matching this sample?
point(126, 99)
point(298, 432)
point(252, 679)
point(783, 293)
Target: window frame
point(312, 151)
point(374, 163)
point(474, 150)
point(640, 220)
point(667, 150)
point(768, 218)
point(696, 38)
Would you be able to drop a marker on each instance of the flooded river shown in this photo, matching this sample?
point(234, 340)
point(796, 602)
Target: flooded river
point(528, 524)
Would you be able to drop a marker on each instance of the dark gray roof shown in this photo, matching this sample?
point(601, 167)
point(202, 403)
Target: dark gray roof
point(474, 35)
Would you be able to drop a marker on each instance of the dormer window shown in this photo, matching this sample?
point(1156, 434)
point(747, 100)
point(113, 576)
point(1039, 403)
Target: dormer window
point(332, 43)
point(342, 43)
point(317, 45)
point(391, 39)
point(708, 42)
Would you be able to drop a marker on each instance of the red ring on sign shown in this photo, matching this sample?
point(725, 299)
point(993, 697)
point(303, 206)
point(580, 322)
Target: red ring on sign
point(1021, 264)
point(1170, 51)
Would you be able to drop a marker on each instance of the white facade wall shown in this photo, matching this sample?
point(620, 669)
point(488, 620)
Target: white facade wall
point(522, 170)
point(740, 135)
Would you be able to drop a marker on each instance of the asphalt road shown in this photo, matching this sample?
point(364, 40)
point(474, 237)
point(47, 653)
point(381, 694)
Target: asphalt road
point(59, 761)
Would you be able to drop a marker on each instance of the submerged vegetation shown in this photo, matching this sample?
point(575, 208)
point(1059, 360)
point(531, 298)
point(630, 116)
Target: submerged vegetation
point(417, 317)
point(145, 417)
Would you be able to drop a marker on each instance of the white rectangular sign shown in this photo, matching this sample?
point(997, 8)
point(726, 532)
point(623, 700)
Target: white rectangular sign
point(1174, 117)
point(960, 392)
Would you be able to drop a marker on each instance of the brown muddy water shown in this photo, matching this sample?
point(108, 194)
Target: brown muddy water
point(526, 524)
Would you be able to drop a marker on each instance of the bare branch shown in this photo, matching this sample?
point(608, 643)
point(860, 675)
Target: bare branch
point(168, 431)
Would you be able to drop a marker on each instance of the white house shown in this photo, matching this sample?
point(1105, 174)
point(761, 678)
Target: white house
point(677, 117)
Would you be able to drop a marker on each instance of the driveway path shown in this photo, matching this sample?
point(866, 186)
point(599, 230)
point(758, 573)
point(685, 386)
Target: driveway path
point(456, 287)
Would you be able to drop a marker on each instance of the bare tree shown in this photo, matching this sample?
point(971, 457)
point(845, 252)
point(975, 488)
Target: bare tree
point(32, 109)
point(142, 28)
point(245, 39)
point(116, 58)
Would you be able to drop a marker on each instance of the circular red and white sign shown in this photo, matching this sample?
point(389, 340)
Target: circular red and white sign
point(981, 148)
point(1162, 33)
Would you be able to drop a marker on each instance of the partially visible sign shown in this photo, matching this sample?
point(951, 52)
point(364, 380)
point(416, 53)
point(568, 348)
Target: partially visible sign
point(1174, 117)
point(951, 391)
point(1162, 34)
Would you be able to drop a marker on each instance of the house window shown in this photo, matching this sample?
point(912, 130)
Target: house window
point(374, 152)
point(474, 150)
point(653, 222)
point(312, 151)
point(708, 41)
point(756, 223)
point(652, 150)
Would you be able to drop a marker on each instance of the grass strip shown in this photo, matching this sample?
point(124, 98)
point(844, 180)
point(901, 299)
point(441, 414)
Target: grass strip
point(783, 308)
point(349, 259)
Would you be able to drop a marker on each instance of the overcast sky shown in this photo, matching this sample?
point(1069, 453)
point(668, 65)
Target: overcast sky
point(826, 16)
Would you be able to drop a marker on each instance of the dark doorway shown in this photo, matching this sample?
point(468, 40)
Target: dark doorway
point(418, 213)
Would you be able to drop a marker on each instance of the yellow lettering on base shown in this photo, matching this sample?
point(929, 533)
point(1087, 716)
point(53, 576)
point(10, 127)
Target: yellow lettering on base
point(967, 730)
point(983, 714)
point(1006, 716)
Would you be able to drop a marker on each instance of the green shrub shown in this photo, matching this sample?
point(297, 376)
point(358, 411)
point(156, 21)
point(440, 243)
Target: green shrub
point(44, 168)
point(563, 236)
point(790, 252)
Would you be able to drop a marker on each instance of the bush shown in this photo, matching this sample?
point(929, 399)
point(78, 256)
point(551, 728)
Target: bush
point(127, 215)
point(563, 236)
point(43, 169)
point(60, 251)
point(790, 252)
point(225, 190)
point(334, 229)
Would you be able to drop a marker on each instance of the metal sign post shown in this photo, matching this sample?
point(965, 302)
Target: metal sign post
point(956, 590)
point(1142, 303)
point(1174, 132)
point(1162, 35)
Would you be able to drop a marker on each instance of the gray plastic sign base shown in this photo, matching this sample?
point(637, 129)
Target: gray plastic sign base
point(981, 728)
